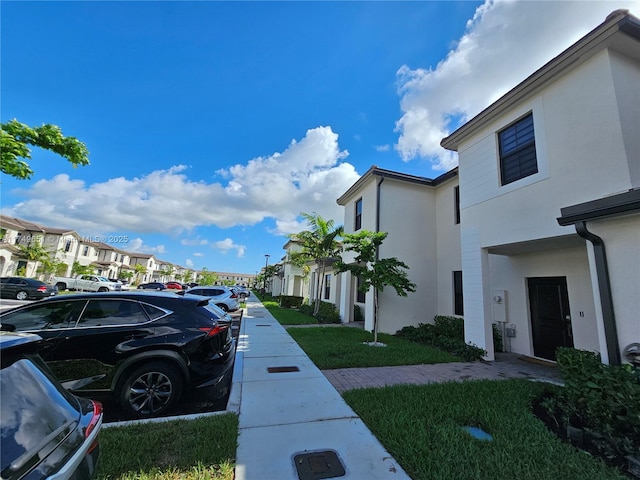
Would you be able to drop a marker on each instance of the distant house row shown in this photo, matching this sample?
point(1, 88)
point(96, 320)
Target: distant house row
point(67, 247)
point(537, 231)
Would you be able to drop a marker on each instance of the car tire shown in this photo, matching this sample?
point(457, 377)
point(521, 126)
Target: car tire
point(150, 390)
point(223, 307)
point(22, 295)
point(61, 286)
point(103, 289)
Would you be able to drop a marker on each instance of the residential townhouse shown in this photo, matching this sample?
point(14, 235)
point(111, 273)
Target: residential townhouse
point(69, 247)
point(419, 216)
point(538, 230)
point(550, 202)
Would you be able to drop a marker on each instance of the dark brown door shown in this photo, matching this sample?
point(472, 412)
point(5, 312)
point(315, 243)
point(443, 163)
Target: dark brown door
point(550, 316)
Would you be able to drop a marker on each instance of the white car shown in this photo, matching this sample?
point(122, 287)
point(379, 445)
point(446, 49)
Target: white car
point(220, 295)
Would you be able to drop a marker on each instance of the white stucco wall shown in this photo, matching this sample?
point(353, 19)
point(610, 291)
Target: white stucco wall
point(448, 258)
point(408, 214)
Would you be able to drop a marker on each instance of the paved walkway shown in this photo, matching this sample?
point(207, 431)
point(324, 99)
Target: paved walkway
point(507, 365)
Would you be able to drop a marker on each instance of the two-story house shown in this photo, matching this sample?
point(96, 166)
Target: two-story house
point(421, 218)
point(550, 202)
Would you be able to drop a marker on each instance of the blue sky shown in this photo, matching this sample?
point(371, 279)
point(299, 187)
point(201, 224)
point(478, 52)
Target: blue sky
point(212, 125)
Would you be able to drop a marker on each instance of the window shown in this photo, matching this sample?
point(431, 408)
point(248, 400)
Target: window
point(517, 151)
point(85, 251)
point(358, 219)
point(458, 307)
point(100, 313)
point(456, 195)
point(47, 316)
point(67, 246)
point(360, 296)
point(327, 286)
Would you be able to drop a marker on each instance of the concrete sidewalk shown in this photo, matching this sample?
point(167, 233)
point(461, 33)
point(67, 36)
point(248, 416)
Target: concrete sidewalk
point(292, 421)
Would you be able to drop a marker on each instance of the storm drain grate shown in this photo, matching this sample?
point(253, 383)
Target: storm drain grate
point(282, 369)
point(262, 325)
point(318, 465)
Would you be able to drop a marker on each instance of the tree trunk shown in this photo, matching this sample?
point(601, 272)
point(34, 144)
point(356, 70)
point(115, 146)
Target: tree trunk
point(375, 316)
point(319, 282)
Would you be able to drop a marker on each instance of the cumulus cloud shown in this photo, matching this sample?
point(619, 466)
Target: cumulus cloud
point(382, 148)
point(137, 245)
point(198, 254)
point(189, 263)
point(504, 43)
point(227, 244)
point(306, 176)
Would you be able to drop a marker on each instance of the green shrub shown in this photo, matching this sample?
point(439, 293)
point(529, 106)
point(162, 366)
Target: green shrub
point(602, 399)
point(290, 301)
point(328, 313)
point(446, 333)
point(358, 316)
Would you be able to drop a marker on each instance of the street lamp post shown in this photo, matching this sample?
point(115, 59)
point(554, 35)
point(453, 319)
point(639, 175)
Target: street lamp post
point(266, 263)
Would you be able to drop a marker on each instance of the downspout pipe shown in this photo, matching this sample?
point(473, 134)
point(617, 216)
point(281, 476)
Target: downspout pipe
point(606, 297)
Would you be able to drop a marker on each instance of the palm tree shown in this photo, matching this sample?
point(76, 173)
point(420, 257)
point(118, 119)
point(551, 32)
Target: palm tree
point(33, 252)
point(318, 244)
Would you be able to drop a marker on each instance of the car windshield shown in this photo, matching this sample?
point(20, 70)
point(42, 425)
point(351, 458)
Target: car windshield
point(103, 279)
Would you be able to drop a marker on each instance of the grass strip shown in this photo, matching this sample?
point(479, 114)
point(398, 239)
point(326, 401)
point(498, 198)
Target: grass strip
point(200, 449)
point(288, 316)
point(420, 426)
point(344, 347)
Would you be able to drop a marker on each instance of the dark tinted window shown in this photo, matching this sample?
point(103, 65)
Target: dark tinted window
point(27, 393)
point(43, 316)
point(197, 291)
point(518, 151)
point(100, 313)
point(153, 312)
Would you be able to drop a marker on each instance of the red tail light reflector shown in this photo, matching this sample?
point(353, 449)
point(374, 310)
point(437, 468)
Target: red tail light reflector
point(215, 330)
point(97, 415)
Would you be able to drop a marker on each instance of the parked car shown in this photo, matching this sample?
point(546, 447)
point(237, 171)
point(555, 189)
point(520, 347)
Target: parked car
point(123, 282)
point(87, 283)
point(47, 432)
point(243, 292)
point(174, 286)
point(222, 296)
point(152, 286)
point(22, 288)
point(146, 347)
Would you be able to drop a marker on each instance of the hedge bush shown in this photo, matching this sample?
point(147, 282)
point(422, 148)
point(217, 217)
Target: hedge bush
point(290, 301)
point(446, 333)
point(602, 399)
point(328, 312)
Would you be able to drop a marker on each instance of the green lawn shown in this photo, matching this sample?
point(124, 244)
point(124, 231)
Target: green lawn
point(287, 316)
point(420, 426)
point(344, 347)
point(201, 449)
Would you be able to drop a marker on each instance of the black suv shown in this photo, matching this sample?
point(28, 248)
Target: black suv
point(46, 431)
point(147, 348)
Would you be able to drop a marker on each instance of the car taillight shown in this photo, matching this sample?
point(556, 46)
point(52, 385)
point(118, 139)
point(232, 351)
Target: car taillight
point(97, 415)
point(42, 289)
point(215, 330)
point(233, 295)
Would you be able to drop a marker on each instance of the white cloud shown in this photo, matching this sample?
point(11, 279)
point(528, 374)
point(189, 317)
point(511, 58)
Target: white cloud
point(503, 44)
point(382, 148)
point(227, 244)
point(189, 263)
point(138, 245)
point(307, 176)
point(198, 254)
point(194, 241)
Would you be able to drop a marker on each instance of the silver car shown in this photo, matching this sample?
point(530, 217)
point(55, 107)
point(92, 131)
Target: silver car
point(220, 295)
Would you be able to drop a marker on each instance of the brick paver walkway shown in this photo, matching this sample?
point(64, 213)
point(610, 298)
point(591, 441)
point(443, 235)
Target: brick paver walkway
point(507, 365)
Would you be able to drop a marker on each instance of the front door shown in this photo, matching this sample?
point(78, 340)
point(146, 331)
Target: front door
point(550, 316)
